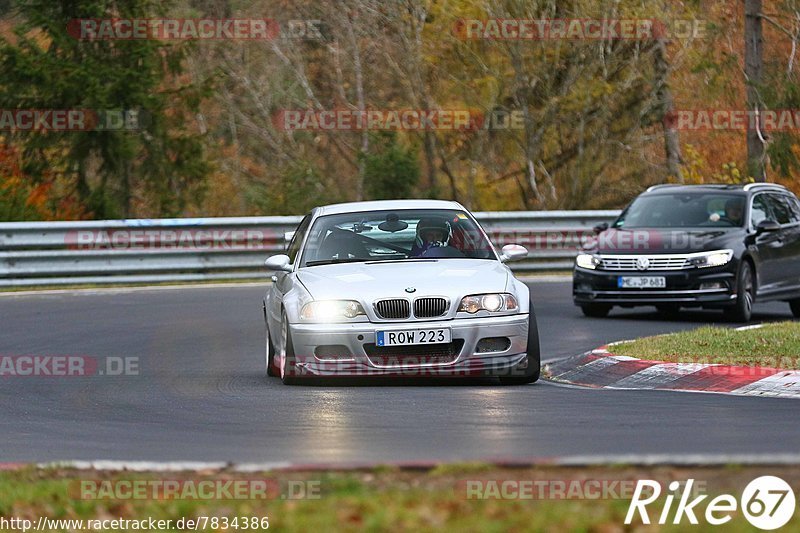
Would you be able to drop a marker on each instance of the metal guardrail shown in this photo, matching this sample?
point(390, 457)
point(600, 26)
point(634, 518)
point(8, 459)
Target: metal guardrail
point(168, 250)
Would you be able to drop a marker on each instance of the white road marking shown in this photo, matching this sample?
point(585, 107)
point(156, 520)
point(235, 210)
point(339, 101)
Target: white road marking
point(657, 375)
point(782, 384)
point(125, 290)
point(752, 326)
point(592, 366)
point(165, 466)
point(567, 460)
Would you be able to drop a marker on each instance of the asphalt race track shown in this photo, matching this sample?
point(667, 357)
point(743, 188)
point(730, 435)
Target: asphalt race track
point(201, 394)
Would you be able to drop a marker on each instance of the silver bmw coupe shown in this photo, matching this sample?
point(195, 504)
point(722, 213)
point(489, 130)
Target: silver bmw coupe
point(401, 288)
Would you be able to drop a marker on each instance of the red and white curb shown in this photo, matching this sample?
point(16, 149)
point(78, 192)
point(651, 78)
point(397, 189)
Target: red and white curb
point(601, 368)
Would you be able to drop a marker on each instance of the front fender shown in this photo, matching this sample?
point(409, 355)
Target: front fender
point(522, 292)
point(294, 300)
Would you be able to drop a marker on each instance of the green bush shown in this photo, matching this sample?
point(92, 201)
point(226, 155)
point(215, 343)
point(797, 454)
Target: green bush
point(391, 171)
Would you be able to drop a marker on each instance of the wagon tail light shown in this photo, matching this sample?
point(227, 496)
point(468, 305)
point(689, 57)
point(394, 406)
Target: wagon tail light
point(494, 303)
point(331, 310)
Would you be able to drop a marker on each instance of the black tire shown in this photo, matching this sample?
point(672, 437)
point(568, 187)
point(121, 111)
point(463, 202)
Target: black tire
point(795, 306)
point(742, 310)
point(269, 349)
point(534, 356)
point(289, 370)
point(270, 359)
point(596, 310)
point(669, 310)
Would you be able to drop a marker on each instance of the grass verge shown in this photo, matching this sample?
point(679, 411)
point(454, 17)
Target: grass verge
point(392, 499)
point(775, 345)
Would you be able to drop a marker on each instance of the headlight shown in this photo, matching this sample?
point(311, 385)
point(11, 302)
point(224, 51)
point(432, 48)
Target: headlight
point(331, 310)
point(587, 261)
point(493, 303)
point(711, 259)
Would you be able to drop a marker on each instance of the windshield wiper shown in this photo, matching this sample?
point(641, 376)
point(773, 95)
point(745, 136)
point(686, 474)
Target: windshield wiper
point(335, 261)
point(403, 260)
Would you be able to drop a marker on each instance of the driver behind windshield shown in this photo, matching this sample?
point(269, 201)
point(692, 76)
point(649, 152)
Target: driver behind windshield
point(733, 211)
point(431, 233)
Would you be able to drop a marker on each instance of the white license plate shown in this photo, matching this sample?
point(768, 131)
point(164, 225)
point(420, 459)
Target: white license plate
point(406, 337)
point(642, 282)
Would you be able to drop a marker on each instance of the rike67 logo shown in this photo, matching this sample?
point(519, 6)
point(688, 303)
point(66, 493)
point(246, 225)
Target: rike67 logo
point(767, 502)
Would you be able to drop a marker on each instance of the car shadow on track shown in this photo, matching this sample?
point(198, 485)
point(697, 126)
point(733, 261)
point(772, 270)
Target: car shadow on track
point(378, 381)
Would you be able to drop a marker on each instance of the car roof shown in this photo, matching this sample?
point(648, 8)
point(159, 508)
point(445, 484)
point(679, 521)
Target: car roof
point(716, 187)
point(385, 205)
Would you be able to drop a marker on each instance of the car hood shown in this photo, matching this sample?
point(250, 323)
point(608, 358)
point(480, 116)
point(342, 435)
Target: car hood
point(452, 278)
point(633, 241)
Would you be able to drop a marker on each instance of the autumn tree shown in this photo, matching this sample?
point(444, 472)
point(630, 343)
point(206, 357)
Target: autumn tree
point(156, 167)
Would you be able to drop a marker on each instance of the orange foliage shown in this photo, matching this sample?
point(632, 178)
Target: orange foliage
point(23, 199)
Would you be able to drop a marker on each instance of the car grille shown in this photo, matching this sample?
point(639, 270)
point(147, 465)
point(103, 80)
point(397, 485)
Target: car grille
point(656, 263)
point(395, 308)
point(420, 354)
point(430, 307)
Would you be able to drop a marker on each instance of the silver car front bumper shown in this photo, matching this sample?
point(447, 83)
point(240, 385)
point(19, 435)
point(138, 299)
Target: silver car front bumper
point(355, 337)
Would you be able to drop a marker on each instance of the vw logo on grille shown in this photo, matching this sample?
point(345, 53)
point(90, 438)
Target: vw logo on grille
point(642, 263)
point(410, 290)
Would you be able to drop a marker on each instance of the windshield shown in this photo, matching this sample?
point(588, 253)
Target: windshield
point(683, 210)
point(395, 235)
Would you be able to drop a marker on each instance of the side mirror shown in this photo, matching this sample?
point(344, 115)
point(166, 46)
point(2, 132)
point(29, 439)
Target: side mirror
point(513, 252)
point(278, 263)
point(766, 226)
point(600, 228)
